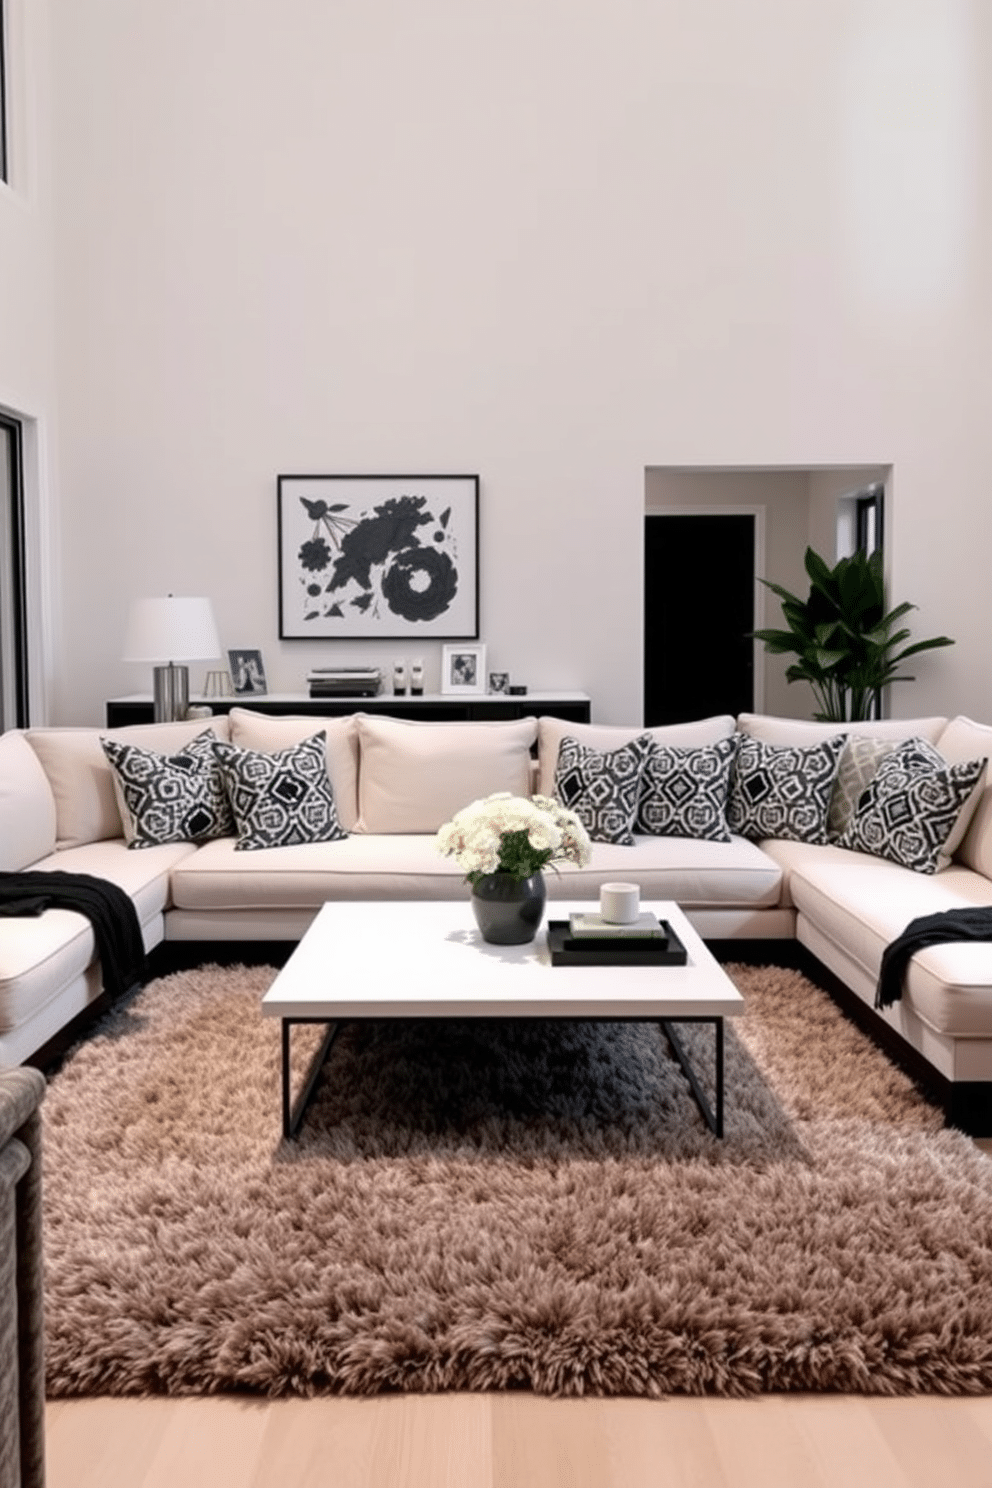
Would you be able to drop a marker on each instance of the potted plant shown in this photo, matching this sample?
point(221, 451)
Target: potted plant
point(847, 646)
point(503, 842)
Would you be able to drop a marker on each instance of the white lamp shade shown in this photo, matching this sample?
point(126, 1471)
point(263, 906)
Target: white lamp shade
point(171, 629)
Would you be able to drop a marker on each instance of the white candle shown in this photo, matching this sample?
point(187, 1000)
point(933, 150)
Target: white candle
point(620, 903)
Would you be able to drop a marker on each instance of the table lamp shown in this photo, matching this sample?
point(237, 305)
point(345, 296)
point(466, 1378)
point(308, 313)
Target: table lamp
point(170, 631)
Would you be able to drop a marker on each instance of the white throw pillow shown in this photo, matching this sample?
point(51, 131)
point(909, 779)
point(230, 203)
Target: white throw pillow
point(413, 777)
point(27, 807)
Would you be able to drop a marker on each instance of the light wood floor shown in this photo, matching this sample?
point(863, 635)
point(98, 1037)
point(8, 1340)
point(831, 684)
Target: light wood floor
point(522, 1441)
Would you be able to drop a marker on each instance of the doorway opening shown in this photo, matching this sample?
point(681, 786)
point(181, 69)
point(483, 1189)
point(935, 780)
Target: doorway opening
point(699, 611)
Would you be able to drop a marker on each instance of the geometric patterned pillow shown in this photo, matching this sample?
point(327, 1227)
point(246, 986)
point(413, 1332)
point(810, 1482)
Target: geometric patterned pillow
point(911, 808)
point(282, 798)
point(858, 764)
point(783, 790)
point(170, 798)
point(684, 791)
point(601, 786)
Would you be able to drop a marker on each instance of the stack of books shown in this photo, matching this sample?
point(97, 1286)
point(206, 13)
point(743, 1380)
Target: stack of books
point(589, 926)
point(344, 681)
point(586, 939)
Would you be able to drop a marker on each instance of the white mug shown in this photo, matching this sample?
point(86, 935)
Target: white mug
point(620, 903)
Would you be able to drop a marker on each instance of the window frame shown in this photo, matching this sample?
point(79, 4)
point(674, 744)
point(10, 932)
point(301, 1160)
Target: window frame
point(868, 515)
point(4, 151)
point(16, 688)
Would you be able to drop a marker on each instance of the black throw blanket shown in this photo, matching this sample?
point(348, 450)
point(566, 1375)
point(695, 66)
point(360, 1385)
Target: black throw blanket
point(935, 929)
point(109, 910)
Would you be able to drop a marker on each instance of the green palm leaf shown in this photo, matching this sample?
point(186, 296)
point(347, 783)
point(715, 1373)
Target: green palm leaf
point(844, 639)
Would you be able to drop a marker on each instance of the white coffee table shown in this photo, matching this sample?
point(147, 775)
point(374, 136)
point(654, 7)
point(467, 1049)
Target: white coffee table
point(408, 959)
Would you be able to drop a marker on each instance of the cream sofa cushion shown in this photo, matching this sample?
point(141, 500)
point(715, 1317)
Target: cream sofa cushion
point(361, 866)
point(862, 904)
point(146, 876)
point(27, 806)
point(43, 954)
point(551, 731)
point(771, 730)
point(81, 776)
point(251, 730)
point(414, 776)
point(697, 874)
point(216, 878)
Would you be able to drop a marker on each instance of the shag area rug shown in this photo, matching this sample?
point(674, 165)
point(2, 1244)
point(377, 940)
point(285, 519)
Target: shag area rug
point(487, 1206)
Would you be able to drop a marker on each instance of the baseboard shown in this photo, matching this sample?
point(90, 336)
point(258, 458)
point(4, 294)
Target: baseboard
point(759, 952)
point(183, 955)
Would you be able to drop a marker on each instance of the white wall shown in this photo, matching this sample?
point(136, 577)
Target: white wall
point(27, 344)
point(553, 241)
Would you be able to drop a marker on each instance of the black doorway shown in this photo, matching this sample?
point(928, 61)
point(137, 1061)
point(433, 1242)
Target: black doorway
point(698, 610)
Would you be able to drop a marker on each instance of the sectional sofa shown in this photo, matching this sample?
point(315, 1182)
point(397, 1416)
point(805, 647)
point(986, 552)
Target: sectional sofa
point(393, 783)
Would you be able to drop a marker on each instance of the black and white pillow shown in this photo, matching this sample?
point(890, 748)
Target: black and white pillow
point(283, 798)
point(602, 786)
point(684, 791)
point(783, 790)
point(859, 762)
point(913, 807)
point(170, 798)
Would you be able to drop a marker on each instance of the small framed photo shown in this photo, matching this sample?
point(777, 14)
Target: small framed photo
point(463, 668)
point(247, 673)
point(499, 681)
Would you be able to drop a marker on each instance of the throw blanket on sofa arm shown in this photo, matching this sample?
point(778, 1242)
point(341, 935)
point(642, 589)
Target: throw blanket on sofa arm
point(109, 910)
point(928, 930)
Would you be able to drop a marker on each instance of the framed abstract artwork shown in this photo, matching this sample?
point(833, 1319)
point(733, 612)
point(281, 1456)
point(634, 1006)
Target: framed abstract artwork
point(391, 557)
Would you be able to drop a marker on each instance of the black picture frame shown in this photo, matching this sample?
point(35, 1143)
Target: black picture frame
point(247, 673)
point(390, 557)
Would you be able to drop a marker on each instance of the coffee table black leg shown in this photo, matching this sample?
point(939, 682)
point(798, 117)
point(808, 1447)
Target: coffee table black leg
point(291, 1118)
point(713, 1119)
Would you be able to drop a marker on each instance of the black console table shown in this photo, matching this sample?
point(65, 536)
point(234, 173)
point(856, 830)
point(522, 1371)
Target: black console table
point(573, 707)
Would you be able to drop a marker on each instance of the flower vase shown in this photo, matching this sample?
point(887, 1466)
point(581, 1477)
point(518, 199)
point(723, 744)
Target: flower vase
point(508, 910)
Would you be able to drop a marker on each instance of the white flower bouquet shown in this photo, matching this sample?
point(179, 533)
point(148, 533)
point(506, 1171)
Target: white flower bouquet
point(514, 835)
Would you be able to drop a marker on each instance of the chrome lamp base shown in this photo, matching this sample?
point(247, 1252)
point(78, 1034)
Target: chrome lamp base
point(171, 686)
